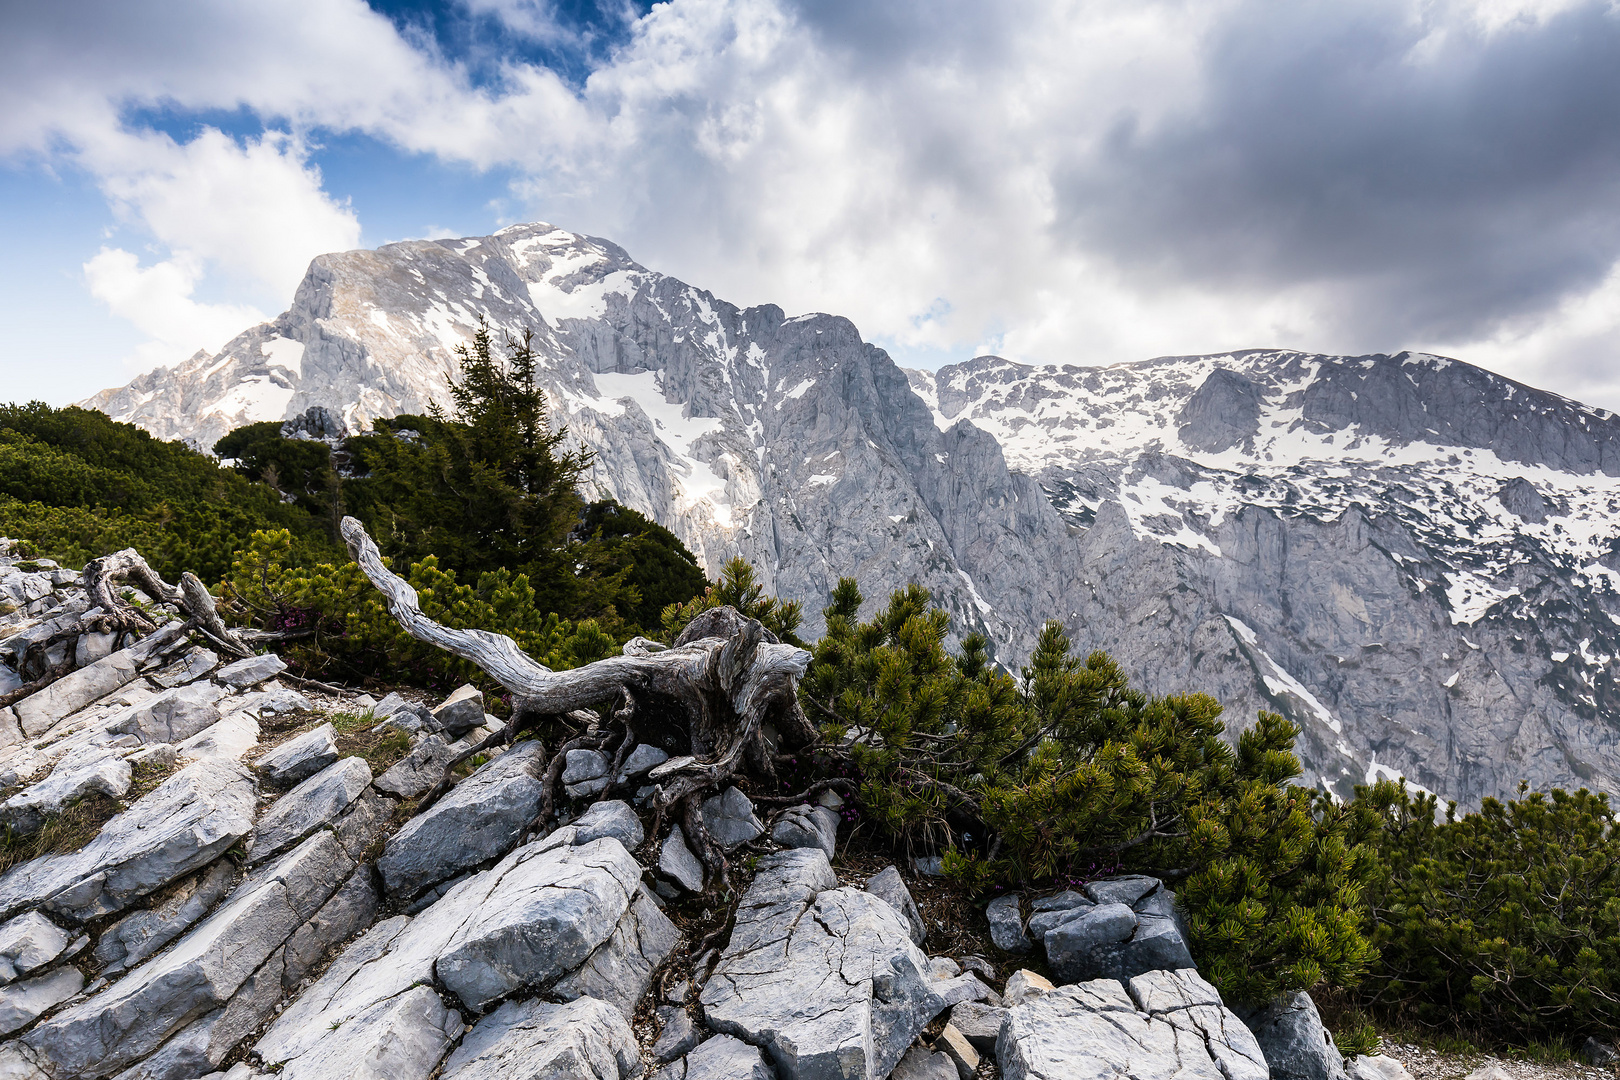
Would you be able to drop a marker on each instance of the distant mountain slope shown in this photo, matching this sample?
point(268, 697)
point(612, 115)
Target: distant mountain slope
point(1412, 557)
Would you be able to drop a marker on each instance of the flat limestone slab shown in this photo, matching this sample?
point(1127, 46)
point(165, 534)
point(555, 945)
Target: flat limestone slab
point(184, 823)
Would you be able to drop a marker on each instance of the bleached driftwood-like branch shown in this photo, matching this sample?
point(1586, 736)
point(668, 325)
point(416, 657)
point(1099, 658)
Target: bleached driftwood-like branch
point(713, 691)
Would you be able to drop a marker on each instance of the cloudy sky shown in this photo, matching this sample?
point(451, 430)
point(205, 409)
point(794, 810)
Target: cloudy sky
point(1065, 182)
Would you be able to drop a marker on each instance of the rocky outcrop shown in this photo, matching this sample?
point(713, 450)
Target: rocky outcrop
point(479, 820)
point(188, 821)
point(1169, 1025)
point(825, 978)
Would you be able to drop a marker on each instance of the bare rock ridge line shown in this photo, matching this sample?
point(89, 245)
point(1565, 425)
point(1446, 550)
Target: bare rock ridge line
point(1416, 560)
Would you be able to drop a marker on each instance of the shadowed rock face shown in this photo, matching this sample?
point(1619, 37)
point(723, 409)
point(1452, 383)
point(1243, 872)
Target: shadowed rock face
point(1408, 556)
point(1224, 412)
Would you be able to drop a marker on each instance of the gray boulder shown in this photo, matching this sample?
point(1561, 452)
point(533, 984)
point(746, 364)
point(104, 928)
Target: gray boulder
point(412, 775)
point(826, 979)
point(612, 818)
point(643, 759)
point(1295, 1043)
point(807, 826)
point(676, 862)
point(1122, 928)
point(1007, 924)
point(204, 971)
point(462, 711)
point(720, 1057)
point(142, 933)
point(185, 822)
point(1170, 1027)
point(729, 817)
point(888, 886)
point(21, 1003)
point(252, 671)
point(300, 758)
point(585, 773)
point(580, 1040)
point(312, 804)
point(676, 1034)
point(479, 819)
point(27, 942)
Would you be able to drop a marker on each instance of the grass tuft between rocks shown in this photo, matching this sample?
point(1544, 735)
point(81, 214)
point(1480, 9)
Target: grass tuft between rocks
point(63, 833)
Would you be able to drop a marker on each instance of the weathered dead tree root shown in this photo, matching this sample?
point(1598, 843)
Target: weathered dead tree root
point(708, 699)
point(104, 576)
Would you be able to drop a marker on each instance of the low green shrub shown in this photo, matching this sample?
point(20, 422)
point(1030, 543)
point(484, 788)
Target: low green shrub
point(1068, 774)
point(1505, 920)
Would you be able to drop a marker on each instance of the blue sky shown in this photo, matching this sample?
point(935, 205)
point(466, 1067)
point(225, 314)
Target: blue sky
point(1056, 181)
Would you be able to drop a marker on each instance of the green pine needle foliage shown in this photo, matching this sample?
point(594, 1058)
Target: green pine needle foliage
point(1505, 920)
point(1068, 773)
point(740, 588)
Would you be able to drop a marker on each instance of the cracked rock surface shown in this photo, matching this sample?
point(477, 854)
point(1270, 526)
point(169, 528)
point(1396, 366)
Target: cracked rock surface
point(825, 979)
point(1171, 1024)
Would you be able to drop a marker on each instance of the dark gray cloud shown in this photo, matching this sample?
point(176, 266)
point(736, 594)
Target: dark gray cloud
point(1439, 188)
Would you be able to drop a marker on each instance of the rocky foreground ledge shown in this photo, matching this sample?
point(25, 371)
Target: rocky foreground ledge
point(267, 901)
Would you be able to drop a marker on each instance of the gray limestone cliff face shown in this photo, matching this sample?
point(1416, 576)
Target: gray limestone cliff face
point(1416, 560)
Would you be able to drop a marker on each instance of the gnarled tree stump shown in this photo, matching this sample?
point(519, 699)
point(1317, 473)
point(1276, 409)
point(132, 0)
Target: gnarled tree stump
point(712, 697)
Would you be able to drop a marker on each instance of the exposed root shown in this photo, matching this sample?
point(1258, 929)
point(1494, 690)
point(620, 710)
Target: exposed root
point(711, 693)
point(807, 794)
point(703, 844)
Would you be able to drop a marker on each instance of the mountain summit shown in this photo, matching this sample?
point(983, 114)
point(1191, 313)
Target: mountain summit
point(1413, 558)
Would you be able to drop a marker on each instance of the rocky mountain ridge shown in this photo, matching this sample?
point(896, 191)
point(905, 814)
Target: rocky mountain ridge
point(1409, 556)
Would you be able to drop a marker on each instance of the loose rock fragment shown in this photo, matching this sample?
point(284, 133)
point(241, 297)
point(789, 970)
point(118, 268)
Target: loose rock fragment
point(676, 861)
point(677, 1034)
point(1007, 924)
point(480, 819)
point(300, 758)
point(888, 886)
point(462, 711)
point(252, 671)
point(806, 826)
point(729, 817)
point(613, 818)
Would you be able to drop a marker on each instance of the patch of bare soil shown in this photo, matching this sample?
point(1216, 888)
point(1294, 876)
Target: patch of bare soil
point(1428, 1063)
